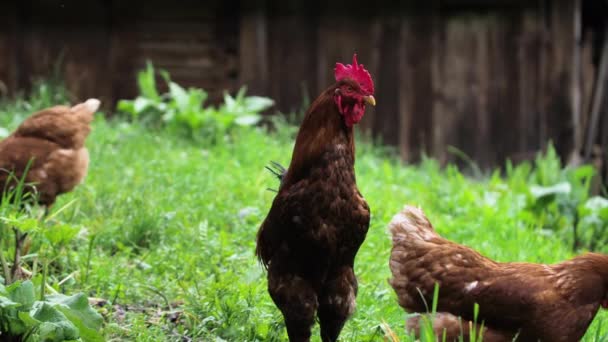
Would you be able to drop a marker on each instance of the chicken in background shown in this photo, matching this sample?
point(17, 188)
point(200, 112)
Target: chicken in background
point(52, 143)
point(319, 219)
point(531, 301)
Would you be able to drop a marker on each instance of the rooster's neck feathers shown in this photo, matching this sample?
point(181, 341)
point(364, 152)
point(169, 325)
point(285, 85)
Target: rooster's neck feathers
point(323, 128)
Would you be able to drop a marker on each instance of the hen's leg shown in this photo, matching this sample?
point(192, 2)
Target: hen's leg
point(337, 303)
point(454, 328)
point(297, 300)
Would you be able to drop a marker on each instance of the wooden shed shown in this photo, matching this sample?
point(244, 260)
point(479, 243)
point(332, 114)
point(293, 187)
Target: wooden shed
point(495, 79)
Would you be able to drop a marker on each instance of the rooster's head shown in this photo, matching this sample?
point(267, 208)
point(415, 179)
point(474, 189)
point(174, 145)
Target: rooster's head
point(354, 89)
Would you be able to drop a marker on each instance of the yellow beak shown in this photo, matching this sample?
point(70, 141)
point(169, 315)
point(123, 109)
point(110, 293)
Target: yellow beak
point(369, 99)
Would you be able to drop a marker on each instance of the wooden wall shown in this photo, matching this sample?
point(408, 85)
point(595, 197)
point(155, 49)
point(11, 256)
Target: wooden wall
point(495, 79)
point(97, 46)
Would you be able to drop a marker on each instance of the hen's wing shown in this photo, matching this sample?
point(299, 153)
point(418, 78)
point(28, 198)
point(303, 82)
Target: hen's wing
point(16, 153)
point(65, 126)
point(420, 258)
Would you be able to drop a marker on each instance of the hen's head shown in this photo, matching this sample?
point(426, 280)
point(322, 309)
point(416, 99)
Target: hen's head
point(354, 90)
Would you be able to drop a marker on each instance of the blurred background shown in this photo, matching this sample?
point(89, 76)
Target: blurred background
point(488, 80)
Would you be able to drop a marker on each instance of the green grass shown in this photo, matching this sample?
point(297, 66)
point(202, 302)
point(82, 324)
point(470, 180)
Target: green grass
point(167, 232)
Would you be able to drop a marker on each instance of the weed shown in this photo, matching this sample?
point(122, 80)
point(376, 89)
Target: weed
point(182, 110)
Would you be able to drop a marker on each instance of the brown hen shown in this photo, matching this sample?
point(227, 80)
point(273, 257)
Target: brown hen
point(533, 301)
point(52, 143)
point(319, 219)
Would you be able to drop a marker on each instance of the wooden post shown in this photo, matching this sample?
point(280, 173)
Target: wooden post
point(253, 54)
point(577, 79)
point(599, 97)
point(8, 46)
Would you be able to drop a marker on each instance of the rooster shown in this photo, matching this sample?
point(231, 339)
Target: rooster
point(49, 145)
point(529, 301)
point(319, 219)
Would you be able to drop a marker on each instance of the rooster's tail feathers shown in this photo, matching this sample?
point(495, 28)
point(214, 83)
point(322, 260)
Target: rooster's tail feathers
point(276, 169)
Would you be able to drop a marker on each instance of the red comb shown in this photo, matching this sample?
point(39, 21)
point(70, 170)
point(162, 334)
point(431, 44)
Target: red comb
point(355, 72)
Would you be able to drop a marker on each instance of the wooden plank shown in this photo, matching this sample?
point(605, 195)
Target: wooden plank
point(482, 138)
point(8, 47)
point(460, 104)
point(559, 75)
point(599, 99)
point(604, 147)
point(415, 83)
point(577, 78)
point(199, 50)
point(511, 123)
point(529, 52)
point(59, 39)
point(387, 124)
point(123, 51)
point(253, 48)
point(292, 52)
point(589, 71)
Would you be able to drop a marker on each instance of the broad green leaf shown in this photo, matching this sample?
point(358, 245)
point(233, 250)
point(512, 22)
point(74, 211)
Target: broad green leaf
point(257, 104)
point(169, 115)
point(541, 191)
point(27, 319)
point(146, 80)
point(165, 75)
point(54, 325)
point(180, 96)
point(240, 95)
point(585, 171)
point(596, 203)
point(11, 321)
point(80, 313)
point(141, 104)
point(6, 303)
point(197, 98)
point(248, 120)
point(229, 102)
point(22, 293)
point(126, 106)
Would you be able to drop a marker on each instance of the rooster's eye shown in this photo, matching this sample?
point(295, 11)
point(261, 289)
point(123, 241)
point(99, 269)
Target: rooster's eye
point(349, 88)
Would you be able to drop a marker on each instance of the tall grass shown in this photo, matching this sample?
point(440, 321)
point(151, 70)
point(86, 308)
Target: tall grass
point(166, 229)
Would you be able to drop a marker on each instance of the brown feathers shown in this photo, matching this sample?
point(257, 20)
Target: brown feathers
point(546, 302)
point(53, 140)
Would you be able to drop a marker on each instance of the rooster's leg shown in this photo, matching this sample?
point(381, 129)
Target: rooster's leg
point(337, 303)
point(296, 299)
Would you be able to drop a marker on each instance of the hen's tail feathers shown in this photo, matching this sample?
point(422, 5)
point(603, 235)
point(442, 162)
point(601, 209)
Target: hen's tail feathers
point(411, 224)
point(453, 327)
point(92, 105)
point(278, 171)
